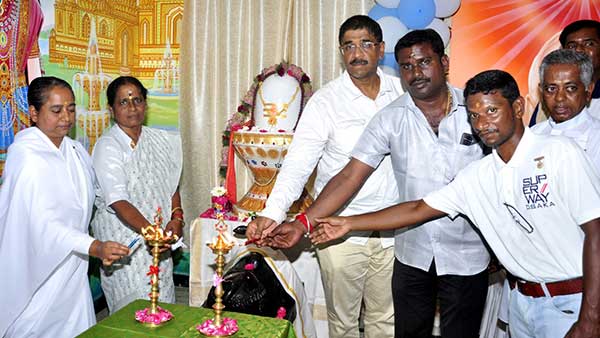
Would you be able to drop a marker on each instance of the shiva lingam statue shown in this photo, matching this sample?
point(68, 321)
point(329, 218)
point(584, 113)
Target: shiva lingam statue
point(156, 238)
point(220, 246)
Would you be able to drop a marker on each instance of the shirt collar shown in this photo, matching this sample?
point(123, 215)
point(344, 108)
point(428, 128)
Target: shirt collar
point(457, 99)
point(596, 91)
point(583, 117)
point(520, 153)
point(355, 93)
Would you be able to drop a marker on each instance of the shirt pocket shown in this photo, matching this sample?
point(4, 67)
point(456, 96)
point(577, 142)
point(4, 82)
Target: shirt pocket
point(345, 135)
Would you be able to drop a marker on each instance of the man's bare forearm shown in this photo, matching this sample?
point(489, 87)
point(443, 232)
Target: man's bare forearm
point(395, 217)
point(590, 306)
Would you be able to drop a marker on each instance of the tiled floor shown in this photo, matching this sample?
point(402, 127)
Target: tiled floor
point(181, 297)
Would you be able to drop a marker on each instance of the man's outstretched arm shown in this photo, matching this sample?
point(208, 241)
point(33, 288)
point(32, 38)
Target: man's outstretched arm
point(588, 323)
point(397, 216)
point(333, 196)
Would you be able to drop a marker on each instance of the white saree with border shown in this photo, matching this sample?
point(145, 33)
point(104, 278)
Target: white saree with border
point(146, 176)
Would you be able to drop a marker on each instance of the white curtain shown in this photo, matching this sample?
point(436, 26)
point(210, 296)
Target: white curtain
point(226, 43)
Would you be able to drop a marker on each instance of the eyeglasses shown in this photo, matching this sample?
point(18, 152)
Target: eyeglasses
point(519, 219)
point(365, 46)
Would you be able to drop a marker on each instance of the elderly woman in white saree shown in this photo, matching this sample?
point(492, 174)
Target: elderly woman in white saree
point(138, 170)
point(45, 207)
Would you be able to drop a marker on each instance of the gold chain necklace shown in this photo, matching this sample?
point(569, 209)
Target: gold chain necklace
point(270, 108)
point(449, 103)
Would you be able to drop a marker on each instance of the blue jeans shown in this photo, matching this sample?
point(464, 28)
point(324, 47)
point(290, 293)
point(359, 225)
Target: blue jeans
point(543, 317)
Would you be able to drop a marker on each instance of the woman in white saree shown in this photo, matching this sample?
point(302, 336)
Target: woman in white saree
point(46, 203)
point(138, 170)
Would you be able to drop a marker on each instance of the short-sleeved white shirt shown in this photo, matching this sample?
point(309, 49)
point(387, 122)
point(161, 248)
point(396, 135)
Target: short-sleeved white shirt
point(530, 210)
point(583, 129)
point(424, 162)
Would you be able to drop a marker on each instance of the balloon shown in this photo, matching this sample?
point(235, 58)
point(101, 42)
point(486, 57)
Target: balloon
point(378, 12)
point(388, 3)
point(446, 8)
point(442, 29)
point(389, 70)
point(393, 30)
point(416, 14)
point(389, 60)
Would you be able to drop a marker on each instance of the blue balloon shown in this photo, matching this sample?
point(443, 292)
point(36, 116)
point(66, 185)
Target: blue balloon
point(416, 14)
point(389, 60)
point(379, 11)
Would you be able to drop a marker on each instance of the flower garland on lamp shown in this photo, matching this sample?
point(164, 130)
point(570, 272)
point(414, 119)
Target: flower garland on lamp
point(243, 118)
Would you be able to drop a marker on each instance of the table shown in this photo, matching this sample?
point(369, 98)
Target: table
point(122, 324)
point(298, 267)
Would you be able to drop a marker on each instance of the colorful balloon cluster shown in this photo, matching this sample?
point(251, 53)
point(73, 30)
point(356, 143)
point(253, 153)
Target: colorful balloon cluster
point(398, 17)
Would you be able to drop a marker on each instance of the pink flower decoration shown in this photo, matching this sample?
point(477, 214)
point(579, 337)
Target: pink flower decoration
point(217, 280)
point(227, 328)
point(144, 316)
point(281, 313)
point(249, 267)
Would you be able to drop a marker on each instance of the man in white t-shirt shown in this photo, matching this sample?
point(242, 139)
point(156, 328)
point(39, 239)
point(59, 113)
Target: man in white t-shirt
point(535, 199)
point(359, 268)
point(566, 86)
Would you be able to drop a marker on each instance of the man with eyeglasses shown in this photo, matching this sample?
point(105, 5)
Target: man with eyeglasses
point(582, 36)
point(359, 268)
point(428, 136)
point(549, 181)
point(566, 86)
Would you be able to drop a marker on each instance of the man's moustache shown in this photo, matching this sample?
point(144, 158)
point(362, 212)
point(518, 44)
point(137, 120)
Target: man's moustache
point(419, 80)
point(358, 62)
point(485, 131)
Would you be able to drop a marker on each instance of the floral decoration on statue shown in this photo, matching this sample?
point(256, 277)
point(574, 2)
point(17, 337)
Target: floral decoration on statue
point(221, 205)
point(242, 118)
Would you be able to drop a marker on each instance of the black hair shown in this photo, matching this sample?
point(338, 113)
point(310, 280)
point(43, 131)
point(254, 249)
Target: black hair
point(493, 80)
point(37, 93)
point(111, 91)
point(419, 36)
point(361, 22)
point(578, 25)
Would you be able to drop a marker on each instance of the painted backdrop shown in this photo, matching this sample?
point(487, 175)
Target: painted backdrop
point(90, 42)
point(512, 35)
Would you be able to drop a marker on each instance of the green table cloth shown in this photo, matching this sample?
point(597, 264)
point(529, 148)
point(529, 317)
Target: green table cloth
point(122, 324)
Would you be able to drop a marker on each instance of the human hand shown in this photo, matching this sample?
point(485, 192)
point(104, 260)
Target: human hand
point(284, 236)
point(176, 227)
point(108, 251)
point(330, 228)
point(584, 329)
point(260, 227)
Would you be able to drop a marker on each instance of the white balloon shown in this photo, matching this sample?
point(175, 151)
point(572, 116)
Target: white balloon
point(442, 29)
point(446, 8)
point(393, 29)
point(388, 3)
point(389, 70)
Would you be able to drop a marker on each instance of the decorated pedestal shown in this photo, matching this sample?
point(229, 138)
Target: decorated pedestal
point(273, 104)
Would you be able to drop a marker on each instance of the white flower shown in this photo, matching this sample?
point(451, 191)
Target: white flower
point(218, 191)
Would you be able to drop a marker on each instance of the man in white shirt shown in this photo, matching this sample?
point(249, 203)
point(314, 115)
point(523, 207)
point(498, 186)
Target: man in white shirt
point(566, 86)
point(535, 199)
point(429, 138)
point(359, 268)
point(582, 36)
